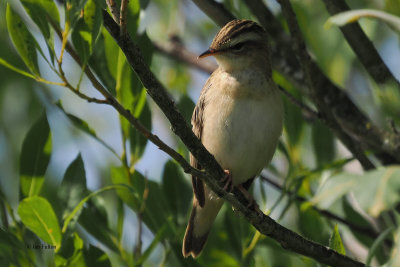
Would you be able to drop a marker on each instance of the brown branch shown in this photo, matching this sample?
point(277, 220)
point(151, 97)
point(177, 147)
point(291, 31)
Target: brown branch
point(112, 5)
point(123, 16)
point(361, 45)
point(344, 117)
point(216, 11)
point(288, 239)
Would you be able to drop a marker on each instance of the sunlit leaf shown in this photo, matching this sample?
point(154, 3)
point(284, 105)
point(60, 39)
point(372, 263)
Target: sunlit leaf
point(347, 17)
point(23, 40)
point(38, 215)
point(335, 242)
point(35, 157)
point(375, 190)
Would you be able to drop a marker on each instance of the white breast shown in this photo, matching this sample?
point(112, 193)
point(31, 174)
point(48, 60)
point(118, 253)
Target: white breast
point(242, 123)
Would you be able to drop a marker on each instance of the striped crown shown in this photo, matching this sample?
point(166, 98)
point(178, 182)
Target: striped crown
point(238, 31)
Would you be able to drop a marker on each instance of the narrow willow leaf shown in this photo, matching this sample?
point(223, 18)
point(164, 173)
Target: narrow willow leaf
point(156, 210)
point(74, 214)
point(323, 143)
point(335, 242)
point(11, 67)
point(96, 257)
point(100, 66)
point(143, 113)
point(73, 9)
point(156, 240)
point(35, 157)
point(87, 29)
point(23, 40)
point(347, 17)
point(377, 243)
point(176, 190)
point(38, 215)
point(73, 186)
point(93, 19)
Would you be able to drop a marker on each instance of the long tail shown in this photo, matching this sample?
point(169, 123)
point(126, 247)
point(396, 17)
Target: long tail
point(200, 223)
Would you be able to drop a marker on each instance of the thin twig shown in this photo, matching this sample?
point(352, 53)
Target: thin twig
point(123, 16)
point(288, 239)
point(177, 51)
point(310, 112)
point(112, 5)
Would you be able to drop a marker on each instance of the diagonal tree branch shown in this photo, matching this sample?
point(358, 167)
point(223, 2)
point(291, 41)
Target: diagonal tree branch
point(361, 45)
point(263, 223)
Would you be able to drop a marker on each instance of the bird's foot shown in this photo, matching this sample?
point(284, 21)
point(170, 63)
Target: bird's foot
point(228, 182)
point(252, 204)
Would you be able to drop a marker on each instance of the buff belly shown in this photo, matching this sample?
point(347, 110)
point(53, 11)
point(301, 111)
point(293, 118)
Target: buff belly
point(243, 135)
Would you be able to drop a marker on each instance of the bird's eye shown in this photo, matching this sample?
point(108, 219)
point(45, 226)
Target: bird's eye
point(237, 47)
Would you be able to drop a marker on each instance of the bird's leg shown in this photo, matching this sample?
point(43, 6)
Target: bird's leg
point(227, 180)
point(252, 203)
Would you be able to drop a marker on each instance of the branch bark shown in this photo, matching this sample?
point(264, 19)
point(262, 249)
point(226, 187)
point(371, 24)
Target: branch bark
point(361, 45)
point(263, 223)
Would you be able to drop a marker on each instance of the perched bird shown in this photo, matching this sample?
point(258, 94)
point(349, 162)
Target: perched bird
point(238, 118)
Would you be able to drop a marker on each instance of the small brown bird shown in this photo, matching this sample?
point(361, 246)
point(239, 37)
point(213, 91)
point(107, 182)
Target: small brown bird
point(238, 118)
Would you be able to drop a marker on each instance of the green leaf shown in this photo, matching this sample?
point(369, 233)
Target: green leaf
point(375, 190)
point(143, 113)
point(94, 211)
point(335, 242)
point(73, 9)
point(93, 19)
point(156, 210)
point(75, 213)
point(73, 186)
point(23, 40)
point(377, 244)
point(393, 7)
point(177, 191)
point(120, 175)
point(311, 224)
point(156, 240)
point(11, 67)
point(323, 143)
point(95, 257)
point(347, 17)
point(100, 66)
point(38, 215)
point(35, 157)
point(293, 124)
point(87, 29)
point(186, 107)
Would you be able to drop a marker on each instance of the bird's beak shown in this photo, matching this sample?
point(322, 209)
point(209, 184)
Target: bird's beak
point(207, 53)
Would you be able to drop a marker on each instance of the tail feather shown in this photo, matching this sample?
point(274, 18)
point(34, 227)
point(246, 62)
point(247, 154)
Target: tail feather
point(200, 223)
point(193, 245)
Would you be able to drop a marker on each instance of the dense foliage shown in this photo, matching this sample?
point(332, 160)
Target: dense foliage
point(81, 187)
